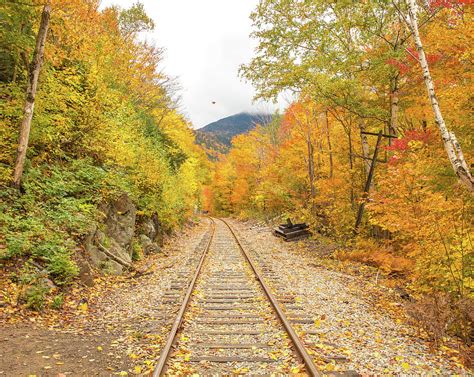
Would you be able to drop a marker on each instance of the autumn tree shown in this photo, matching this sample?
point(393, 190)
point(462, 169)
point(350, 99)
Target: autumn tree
point(353, 68)
point(333, 52)
point(451, 144)
point(134, 20)
point(303, 120)
point(34, 71)
point(105, 124)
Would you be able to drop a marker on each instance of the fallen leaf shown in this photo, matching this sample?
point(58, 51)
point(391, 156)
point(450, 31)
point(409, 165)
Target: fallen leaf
point(137, 369)
point(83, 307)
point(330, 367)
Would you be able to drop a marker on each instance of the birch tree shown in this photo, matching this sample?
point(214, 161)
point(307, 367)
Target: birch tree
point(451, 144)
point(32, 86)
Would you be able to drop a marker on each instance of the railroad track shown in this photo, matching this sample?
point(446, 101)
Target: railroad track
point(229, 321)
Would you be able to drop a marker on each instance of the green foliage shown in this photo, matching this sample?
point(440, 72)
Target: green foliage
point(322, 48)
point(60, 266)
point(16, 37)
point(104, 124)
point(137, 252)
point(35, 287)
point(57, 207)
point(135, 20)
point(58, 301)
point(35, 296)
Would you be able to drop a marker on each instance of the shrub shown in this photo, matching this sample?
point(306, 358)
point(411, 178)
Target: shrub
point(137, 251)
point(61, 268)
point(57, 302)
point(439, 314)
point(57, 207)
point(429, 219)
point(35, 296)
point(378, 255)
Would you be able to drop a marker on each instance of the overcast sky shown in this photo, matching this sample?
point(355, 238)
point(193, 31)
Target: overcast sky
point(205, 42)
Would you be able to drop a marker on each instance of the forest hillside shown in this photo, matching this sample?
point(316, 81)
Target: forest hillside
point(108, 152)
point(216, 137)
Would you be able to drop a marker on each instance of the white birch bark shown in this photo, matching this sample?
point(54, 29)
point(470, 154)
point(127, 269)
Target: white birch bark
point(452, 147)
point(28, 109)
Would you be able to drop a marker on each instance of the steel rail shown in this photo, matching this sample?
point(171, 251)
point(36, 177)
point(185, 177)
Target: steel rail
point(300, 348)
point(165, 352)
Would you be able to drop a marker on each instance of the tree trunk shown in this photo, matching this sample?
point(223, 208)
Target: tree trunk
point(30, 95)
point(331, 166)
point(393, 128)
point(424, 125)
point(351, 167)
point(320, 159)
point(311, 168)
point(365, 148)
point(368, 183)
point(452, 147)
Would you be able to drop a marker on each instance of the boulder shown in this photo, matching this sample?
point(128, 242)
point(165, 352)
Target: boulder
point(150, 227)
point(115, 235)
point(86, 275)
point(147, 228)
point(115, 248)
point(112, 267)
point(148, 246)
point(101, 260)
point(120, 222)
point(96, 256)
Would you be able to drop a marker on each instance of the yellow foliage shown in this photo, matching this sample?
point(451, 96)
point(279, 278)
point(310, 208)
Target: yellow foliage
point(375, 254)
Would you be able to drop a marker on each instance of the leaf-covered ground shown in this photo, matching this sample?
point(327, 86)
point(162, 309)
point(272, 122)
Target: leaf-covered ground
point(118, 331)
point(358, 324)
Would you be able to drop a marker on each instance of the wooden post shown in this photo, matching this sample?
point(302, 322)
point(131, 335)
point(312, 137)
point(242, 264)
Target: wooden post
point(34, 72)
point(368, 182)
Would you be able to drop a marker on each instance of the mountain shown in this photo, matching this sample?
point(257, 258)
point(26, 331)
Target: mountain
point(216, 137)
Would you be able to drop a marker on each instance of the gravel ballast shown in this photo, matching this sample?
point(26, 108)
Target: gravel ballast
point(349, 331)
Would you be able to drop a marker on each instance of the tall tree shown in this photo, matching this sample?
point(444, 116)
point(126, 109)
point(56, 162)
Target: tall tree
point(331, 50)
point(303, 120)
point(28, 109)
point(135, 20)
point(451, 144)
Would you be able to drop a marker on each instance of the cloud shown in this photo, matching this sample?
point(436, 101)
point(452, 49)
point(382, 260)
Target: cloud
point(205, 43)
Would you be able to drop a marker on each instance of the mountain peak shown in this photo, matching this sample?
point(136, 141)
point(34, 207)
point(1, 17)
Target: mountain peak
point(217, 136)
point(236, 124)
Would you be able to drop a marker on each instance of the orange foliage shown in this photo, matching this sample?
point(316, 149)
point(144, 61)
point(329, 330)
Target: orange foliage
point(418, 220)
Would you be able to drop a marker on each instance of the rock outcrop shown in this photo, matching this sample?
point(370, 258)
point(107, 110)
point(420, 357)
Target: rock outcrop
point(110, 245)
point(150, 235)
